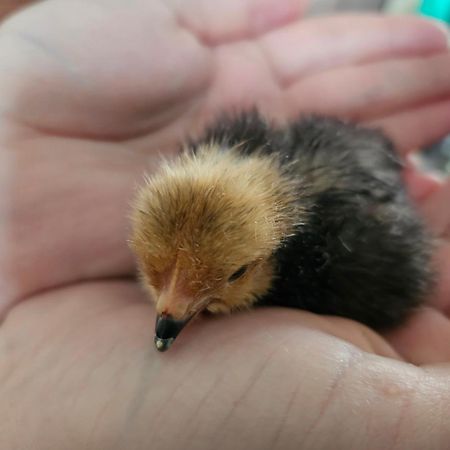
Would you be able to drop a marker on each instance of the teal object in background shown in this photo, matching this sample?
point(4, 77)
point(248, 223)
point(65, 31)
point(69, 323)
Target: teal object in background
point(439, 9)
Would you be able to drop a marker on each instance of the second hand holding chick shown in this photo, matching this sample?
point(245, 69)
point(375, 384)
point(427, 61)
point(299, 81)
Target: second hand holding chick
point(313, 215)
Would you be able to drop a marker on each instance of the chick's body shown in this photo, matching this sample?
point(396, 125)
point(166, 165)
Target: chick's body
point(312, 215)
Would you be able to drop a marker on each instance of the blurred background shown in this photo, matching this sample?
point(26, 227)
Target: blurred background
point(437, 157)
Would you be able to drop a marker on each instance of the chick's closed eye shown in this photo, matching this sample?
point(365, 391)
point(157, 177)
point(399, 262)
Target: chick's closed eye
point(317, 205)
point(238, 274)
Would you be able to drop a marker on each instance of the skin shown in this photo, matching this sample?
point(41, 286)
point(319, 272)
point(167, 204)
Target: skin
point(90, 95)
point(9, 6)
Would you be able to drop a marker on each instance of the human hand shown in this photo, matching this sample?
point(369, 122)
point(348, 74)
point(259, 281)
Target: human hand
point(92, 92)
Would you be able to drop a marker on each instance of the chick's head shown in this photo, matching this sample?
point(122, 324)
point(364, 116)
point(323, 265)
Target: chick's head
point(205, 229)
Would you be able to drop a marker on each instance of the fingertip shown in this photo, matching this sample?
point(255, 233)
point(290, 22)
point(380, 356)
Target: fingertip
point(420, 183)
point(428, 32)
point(442, 28)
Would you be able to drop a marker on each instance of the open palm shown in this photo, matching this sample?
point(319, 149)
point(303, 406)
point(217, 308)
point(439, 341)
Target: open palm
point(92, 94)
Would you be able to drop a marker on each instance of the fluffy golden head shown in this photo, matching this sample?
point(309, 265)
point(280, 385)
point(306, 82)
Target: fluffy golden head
point(205, 228)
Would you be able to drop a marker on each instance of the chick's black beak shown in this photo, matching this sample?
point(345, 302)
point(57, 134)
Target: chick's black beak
point(167, 329)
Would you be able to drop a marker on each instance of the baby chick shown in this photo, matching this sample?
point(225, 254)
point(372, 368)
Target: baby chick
point(312, 215)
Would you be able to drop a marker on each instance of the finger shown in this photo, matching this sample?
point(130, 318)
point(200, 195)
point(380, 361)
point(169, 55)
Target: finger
point(441, 294)
point(216, 23)
point(423, 188)
point(418, 126)
point(9, 6)
point(424, 338)
point(420, 184)
point(374, 90)
point(316, 45)
point(436, 211)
